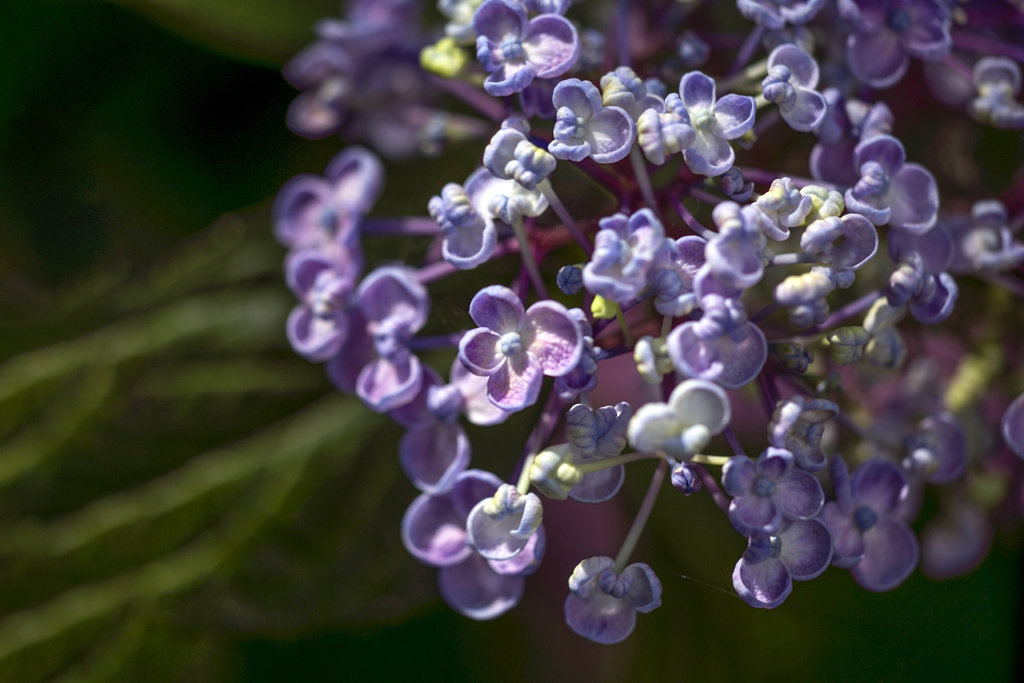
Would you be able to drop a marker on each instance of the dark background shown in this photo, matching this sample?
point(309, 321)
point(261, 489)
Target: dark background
point(139, 149)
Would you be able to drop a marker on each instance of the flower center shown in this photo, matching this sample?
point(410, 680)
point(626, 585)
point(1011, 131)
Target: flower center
point(581, 128)
point(328, 218)
point(704, 119)
point(510, 343)
point(898, 20)
point(864, 518)
point(764, 487)
point(511, 47)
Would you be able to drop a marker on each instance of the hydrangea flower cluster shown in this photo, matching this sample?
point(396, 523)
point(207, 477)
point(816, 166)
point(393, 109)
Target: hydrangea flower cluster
point(859, 255)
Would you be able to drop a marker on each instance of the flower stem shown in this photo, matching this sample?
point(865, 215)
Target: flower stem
point(711, 484)
point(622, 33)
point(529, 263)
point(620, 316)
point(588, 467)
point(755, 71)
point(734, 443)
point(690, 221)
point(559, 208)
point(710, 459)
point(440, 341)
point(666, 326)
point(765, 312)
point(747, 49)
point(986, 46)
point(766, 177)
point(478, 99)
point(538, 437)
point(705, 197)
point(413, 226)
point(643, 180)
point(641, 518)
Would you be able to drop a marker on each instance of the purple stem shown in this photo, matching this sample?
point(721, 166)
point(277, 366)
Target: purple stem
point(413, 225)
point(437, 341)
point(625, 306)
point(846, 312)
point(442, 269)
point(711, 484)
point(705, 197)
point(765, 312)
point(641, 516)
point(766, 395)
point(747, 50)
point(958, 66)
point(766, 177)
point(734, 443)
point(690, 221)
point(986, 46)
point(1008, 282)
point(478, 99)
point(542, 432)
point(622, 33)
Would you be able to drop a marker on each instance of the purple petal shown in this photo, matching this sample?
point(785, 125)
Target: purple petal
point(752, 514)
point(774, 463)
point(763, 12)
point(807, 112)
point(928, 36)
point(516, 384)
point(800, 12)
point(765, 584)
point(432, 456)
point(472, 486)
point(299, 212)
point(314, 338)
point(355, 353)
point(806, 548)
point(947, 438)
point(357, 175)
point(697, 91)
point(529, 558)
point(582, 97)
point(729, 363)
point(415, 415)
point(738, 475)
point(509, 78)
point(834, 163)
point(610, 134)
point(846, 538)
point(913, 199)
point(313, 118)
point(802, 67)
point(700, 402)
point(385, 385)
point(493, 538)
point(551, 44)
point(890, 555)
point(857, 245)
point(393, 292)
point(933, 245)
point(598, 616)
point(734, 116)
point(434, 532)
point(467, 248)
point(886, 150)
point(553, 337)
point(939, 305)
point(956, 542)
point(597, 487)
point(1013, 426)
point(475, 590)
point(497, 18)
point(878, 485)
point(478, 408)
point(497, 308)
point(877, 58)
point(645, 594)
point(580, 581)
point(841, 484)
point(709, 154)
point(479, 351)
point(733, 263)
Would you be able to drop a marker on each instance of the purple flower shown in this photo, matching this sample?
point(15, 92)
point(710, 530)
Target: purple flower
point(998, 82)
point(956, 541)
point(783, 207)
point(845, 243)
point(585, 127)
point(792, 77)
point(723, 346)
point(666, 132)
point(313, 211)
point(583, 377)
point(734, 187)
point(466, 215)
point(696, 411)
point(886, 33)
point(510, 156)
point(596, 435)
point(844, 125)
point(775, 14)
point(800, 551)
point(318, 326)
point(672, 275)
point(798, 425)
point(516, 50)
point(868, 535)
point(327, 75)
point(434, 532)
point(622, 88)
point(1013, 426)
point(624, 250)
point(890, 190)
point(515, 348)
point(602, 605)
point(919, 279)
point(768, 491)
point(984, 242)
point(937, 451)
point(501, 526)
point(715, 121)
point(392, 307)
point(735, 256)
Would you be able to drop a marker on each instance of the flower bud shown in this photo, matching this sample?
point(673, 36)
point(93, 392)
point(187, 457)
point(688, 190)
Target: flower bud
point(847, 344)
point(570, 280)
point(686, 479)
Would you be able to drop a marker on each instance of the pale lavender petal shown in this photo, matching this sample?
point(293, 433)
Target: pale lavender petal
point(763, 12)
point(597, 487)
point(467, 248)
point(495, 19)
point(700, 402)
point(733, 263)
point(509, 78)
point(475, 590)
point(516, 384)
point(877, 58)
point(302, 212)
point(928, 36)
point(529, 558)
point(834, 163)
point(709, 155)
point(357, 175)
point(553, 337)
point(802, 67)
point(493, 538)
point(385, 385)
point(879, 485)
point(1013, 426)
point(551, 44)
point(738, 475)
point(355, 353)
point(434, 532)
point(414, 414)
point(432, 456)
point(800, 12)
point(314, 338)
point(775, 463)
point(645, 594)
point(939, 305)
point(582, 97)
point(310, 116)
point(580, 581)
point(857, 245)
point(610, 134)
point(497, 308)
point(807, 112)
point(697, 91)
point(846, 538)
point(472, 486)
point(652, 426)
point(729, 363)
point(913, 199)
point(480, 353)
point(886, 150)
point(393, 292)
point(598, 616)
point(890, 555)
point(752, 514)
point(478, 408)
point(934, 246)
point(806, 548)
point(734, 116)
point(765, 584)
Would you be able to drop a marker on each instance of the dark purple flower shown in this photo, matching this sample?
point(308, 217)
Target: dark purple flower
point(715, 122)
point(800, 551)
point(583, 377)
point(984, 241)
point(515, 348)
point(886, 33)
point(685, 479)
point(890, 190)
point(624, 249)
point(798, 425)
point(312, 211)
point(318, 326)
point(937, 451)
point(868, 535)
point(998, 81)
point(1013, 426)
point(775, 14)
point(602, 605)
point(844, 125)
point(769, 490)
point(672, 275)
point(516, 50)
point(585, 127)
point(500, 527)
point(434, 532)
point(920, 280)
point(790, 83)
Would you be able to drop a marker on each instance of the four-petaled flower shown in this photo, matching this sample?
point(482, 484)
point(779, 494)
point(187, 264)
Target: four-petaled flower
point(624, 249)
point(768, 491)
point(800, 551)
point(602, 605)
point(585, 127)
point(792, 77)
point(715, 122)
point(891, 190)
